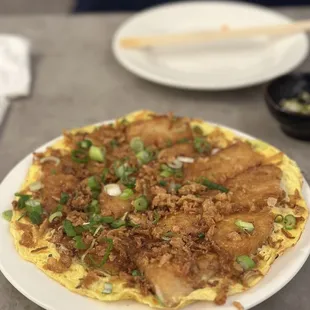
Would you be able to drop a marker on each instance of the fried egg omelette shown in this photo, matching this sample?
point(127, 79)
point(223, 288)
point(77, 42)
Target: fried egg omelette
point(160, 209)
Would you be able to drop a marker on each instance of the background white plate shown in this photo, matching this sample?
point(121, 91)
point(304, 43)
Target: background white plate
point(47, 293)
point(213, 66)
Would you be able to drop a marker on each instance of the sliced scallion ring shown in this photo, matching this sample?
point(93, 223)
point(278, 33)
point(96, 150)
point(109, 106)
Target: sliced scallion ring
point(176, 164)
point(137, 144)
point(141, 203)
point(245, 226)
point(279, 218)
point(36, 186)
point(144, 157)
point(56, 160)
point(108, 287)
point(112, 189)
point(96, 153)
point(79, 156)
point(245, 262)
point(289, 222)
point(93, 184)
point(85, 144)
point(201, 145)
point(126, 194)
point(54, 215)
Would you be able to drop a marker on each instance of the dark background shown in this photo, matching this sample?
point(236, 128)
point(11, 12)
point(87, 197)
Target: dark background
point(134, 5)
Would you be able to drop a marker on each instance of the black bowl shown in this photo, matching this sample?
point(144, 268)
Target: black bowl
point(292, 123)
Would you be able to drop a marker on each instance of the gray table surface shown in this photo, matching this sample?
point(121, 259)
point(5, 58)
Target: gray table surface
point(76, 81)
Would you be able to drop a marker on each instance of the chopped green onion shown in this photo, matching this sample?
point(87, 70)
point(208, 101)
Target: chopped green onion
point(183, 140)
point(104, 175)
point(141, 203)
point(197, 130)
point(176, 164)
point(35, 218)
point(108, 287)
point(212, 185)
point(22, 200)
point(94, 207)
point(114, 143)
point(107, 219)
point(79, 243)
point(69, 228)
point(137, 144)
point(33, 205)
point(126, 194)
point(201, 235)
point(245, 226)
point(106, 254)
point(156, 217)
point(95, 193)
point(245, 262)
point(85, 144)
point(166, 174)
point(162, 183)
point(169, 143)
point(201, 145)
point(53, 171)
point(93, 184)
point(35, 186)
point(79, 156)
point(144, 157)
point(96, 153)
point(54, 215)
point(279, 218)
point(7, 215)
point(60, 208)
point(23, 215)
point(129, 182)
point(136, 273)
point(118, 223)
point(124, 121)
point(64, 197)
point(289, 222)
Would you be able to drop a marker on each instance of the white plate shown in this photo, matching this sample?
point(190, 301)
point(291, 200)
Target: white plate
point(50, 295)
point(214, 66)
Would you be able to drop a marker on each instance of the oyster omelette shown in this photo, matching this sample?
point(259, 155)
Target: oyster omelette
point(161, 209)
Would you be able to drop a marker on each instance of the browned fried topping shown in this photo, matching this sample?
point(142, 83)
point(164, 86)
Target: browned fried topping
point(238, 305)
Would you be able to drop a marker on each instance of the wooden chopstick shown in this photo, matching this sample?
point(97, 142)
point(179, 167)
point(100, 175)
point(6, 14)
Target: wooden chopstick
point(209, 36)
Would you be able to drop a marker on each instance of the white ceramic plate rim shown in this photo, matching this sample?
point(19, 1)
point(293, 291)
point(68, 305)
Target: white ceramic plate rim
point(34, 291)
point(120, 55)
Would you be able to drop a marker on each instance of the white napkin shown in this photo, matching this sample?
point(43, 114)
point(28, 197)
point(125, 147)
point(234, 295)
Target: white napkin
point(15, 77)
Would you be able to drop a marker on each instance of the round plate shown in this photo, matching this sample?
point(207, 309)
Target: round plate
point(42, 290)
point(210, 66)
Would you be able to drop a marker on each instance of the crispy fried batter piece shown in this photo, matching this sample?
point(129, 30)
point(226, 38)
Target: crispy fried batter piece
point(168, 284)
point(114, 206)
point(182, 149)
point(256, 185)
point(225, 164)
point(160, 130)
point(229, 238)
